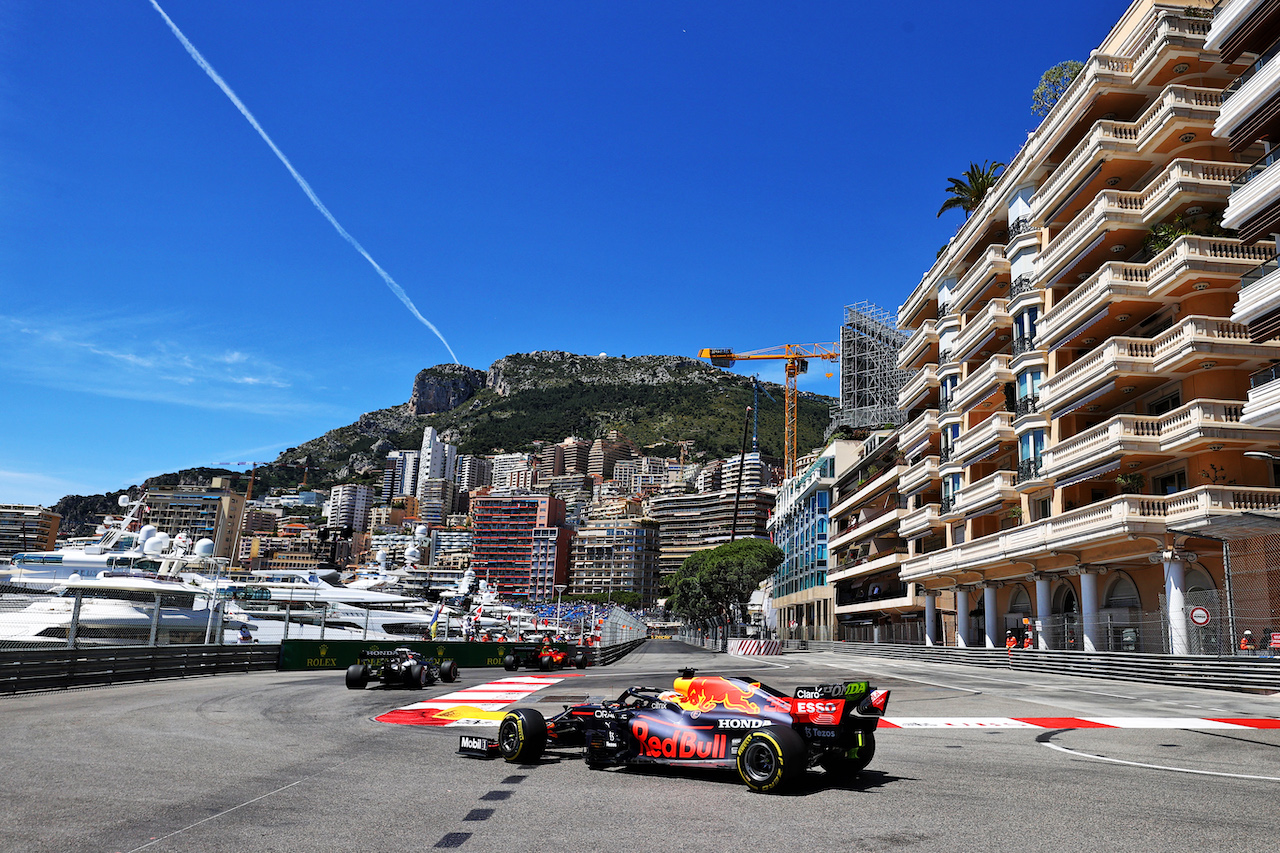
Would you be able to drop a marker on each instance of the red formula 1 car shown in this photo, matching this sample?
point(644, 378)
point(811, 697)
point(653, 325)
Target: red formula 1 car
point(708, 721)
point(545, 657)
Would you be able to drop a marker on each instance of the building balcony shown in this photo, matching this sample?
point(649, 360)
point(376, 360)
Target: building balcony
point(917, 477)
point(1263, 408)
point(896, 598)
point(987, 493)
point(1195, 342)
point(1181, 183)
point(1259, 297)
point(866, 491)
point(919, 387)
point(871, 522)
point(860, 566)
point(1121, 519)
point(1178, 431)
point(1162, 279)
point(921, 347)
point(981, 330)
point(992, 264)
point(919, 432)
point(984, 383)
point(1177, 110)
point(920, 521)
point(1252, 206)
point(985, 438)
point(1227, 18)
point(1248, 93)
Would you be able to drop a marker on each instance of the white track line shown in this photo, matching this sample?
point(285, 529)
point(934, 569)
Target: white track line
point(1160, 766)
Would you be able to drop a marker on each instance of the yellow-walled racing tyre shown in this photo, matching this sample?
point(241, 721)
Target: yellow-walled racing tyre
point(522, 736)
point(771, 759)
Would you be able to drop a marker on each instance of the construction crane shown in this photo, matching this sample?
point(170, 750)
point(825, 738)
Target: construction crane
point(797, 358)
point(253, 470)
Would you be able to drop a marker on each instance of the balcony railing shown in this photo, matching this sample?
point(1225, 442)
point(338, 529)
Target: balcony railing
point(1028, 469)
point(944, 455)
point(1018, 227)
point(1265, 376)
point(1249, 72)
point(1022, 344)
point(1254, 169)
point(1260, 272)
point(944, 505)
point(1022, 284)
point(1028, 405)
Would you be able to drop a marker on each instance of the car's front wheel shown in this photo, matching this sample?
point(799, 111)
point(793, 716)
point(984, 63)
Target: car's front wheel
point(771, 759)
point(522, 736)
point(449, 671)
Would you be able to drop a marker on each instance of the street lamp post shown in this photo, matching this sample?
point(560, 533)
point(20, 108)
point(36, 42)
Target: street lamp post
point(559, 588)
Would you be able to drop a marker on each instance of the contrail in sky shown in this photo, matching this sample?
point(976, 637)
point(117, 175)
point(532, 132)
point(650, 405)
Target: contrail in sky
point(306, 188)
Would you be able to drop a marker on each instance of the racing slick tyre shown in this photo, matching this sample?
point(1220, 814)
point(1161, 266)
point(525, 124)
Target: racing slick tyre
point(448, 671)
point(771, 759)
point(580, 660)
point(509, 663)
point(546, 663)
point(846, 765)
point(522, 736)
point(357, 676)
point(415, 676)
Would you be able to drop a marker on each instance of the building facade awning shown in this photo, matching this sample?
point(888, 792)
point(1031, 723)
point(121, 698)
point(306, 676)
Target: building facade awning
point(1089, 474)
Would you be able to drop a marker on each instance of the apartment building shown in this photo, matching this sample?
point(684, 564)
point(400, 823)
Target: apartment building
point(212, 513)
point(400, 474)
point(437, 499)
point(502, 538)
point(688, 523)
point(513, 470)
point(27, 528)
point(1250, 115)
point(349, 505)
point(800, 526)
point(473, 472)
point(1075, 408)
point(617, 556)
point(437, 460)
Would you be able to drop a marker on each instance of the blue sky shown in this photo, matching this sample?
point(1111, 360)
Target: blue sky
point(591, 177)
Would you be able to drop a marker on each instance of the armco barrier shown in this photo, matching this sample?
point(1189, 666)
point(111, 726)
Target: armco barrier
point(55, 669)
point(1260, 675)
point(615, 653)
point(340, 654)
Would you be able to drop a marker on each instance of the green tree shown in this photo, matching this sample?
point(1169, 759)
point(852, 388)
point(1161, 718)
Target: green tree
point(720, 580)
point(968, 191)
point(1053, 83)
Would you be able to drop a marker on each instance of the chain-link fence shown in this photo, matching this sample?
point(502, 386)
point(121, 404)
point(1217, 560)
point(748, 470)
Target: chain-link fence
point(621, 627)
point(1253, 590)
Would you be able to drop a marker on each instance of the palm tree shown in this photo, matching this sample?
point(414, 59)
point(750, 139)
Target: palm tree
point(967, 192)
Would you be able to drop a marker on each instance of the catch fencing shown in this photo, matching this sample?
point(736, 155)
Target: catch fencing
point(620, 633)
point(59, 669)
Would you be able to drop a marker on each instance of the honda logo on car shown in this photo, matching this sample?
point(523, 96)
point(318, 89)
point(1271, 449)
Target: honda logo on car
point(741, 723)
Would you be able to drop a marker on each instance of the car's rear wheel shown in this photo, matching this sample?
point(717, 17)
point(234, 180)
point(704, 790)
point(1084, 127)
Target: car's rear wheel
point(545, 662)
point(846, 765)
point(580, 660)
point(522, 735)
point(509, 663)
point(449, 671)
point(357, 676)
point(771, 759)
point(415, 676)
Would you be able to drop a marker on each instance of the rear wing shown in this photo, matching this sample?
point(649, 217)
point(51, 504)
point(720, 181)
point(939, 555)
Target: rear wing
point(842, 690)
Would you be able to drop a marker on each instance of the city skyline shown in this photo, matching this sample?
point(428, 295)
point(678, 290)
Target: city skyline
point(670, 178)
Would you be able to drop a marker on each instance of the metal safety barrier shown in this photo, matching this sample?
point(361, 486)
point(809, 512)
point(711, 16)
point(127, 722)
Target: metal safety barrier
point(1250, 674)
point(60, 669)
point(606, 655)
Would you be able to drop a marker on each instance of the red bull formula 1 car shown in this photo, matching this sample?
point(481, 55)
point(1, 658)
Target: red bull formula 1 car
point(708, 721)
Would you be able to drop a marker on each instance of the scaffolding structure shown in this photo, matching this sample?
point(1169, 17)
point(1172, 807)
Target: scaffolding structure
point(869, 376)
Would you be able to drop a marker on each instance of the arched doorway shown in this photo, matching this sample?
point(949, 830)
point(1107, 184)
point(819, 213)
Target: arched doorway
point(1122, 615)
point(1066, 629)
point(1019, 609)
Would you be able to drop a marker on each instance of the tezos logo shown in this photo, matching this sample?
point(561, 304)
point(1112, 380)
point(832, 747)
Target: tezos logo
point(740, 723)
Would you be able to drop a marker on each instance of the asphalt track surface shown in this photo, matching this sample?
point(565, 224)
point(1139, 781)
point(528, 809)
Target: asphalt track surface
point(295, 762)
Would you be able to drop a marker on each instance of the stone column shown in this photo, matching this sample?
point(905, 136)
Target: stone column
point(1089, 609)
point(931, 618)
point(962, 616)
point(1175, 587)
point(989, 616)
point(1044, 610)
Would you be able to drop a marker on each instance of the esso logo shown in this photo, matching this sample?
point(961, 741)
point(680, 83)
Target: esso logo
point(804, 707)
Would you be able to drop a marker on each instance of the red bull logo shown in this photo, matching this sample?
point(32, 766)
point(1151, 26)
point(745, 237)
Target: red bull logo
point(711, 692)
point(681, 743)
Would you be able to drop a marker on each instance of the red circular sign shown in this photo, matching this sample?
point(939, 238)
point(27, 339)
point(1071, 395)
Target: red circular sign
point(1200, 616)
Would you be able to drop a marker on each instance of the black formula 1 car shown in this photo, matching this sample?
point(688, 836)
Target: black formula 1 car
point(708, 721)
point(400, 668)
point(544, 657)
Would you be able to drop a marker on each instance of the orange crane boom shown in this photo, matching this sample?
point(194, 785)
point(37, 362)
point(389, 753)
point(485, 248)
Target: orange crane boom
point(797, 358)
